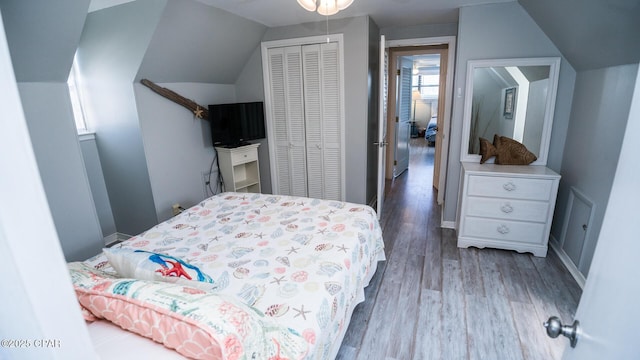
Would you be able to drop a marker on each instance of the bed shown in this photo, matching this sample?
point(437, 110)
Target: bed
point(432, 130)
point(280, 277)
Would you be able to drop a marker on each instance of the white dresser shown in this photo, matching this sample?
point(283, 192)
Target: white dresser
point(507, 207)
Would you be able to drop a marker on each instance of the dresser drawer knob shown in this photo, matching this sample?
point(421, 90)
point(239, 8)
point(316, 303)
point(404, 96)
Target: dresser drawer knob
point(506, 208)
point(503, 229)
point(510, 186)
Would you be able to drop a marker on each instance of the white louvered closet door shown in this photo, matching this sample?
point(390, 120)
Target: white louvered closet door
point(323, 120)
point(285, 69)
point(306, 120)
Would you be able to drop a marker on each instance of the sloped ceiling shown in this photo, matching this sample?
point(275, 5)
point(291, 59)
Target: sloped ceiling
point(198, 43)
point(43, 39)
point(591, 34)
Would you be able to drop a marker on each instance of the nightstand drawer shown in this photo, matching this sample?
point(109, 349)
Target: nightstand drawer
point(510, 187)
point(510, 209)
point(243, 156)
point(523, 232)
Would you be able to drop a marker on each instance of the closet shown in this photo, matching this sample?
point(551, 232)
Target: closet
point(303, 88)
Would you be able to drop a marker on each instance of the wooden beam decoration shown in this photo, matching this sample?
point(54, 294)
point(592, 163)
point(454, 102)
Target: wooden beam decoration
point(199, 111)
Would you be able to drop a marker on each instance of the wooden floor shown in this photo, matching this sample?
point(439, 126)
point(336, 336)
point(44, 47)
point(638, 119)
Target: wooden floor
point(431, 300)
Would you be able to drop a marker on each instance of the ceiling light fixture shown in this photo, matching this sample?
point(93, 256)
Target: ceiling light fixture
point(325, 7)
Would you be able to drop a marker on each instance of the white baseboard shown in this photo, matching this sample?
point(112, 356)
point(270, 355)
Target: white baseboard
point(374, 202)
point(566, 261)
point(115, 237)
point(448, 224)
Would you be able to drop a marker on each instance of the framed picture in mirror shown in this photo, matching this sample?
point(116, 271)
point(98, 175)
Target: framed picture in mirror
point(509, 94)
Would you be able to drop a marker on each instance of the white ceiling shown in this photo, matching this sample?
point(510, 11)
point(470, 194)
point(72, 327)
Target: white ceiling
point(385, 13)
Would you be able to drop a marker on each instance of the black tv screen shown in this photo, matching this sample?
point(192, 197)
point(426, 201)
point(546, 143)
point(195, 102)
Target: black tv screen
point(235, 124)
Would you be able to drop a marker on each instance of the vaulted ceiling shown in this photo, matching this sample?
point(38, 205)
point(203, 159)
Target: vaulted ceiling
point(590, 33)
point(43, 36)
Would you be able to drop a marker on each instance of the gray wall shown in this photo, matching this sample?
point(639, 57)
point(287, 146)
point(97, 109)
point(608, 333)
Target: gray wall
point(598, 120)
point(112, 46)
point(250, 87)
point(356, 50)
point(47, 108)
point(154, 151)
point(177, 144)
point(34, 307)
point(194, 42)
point(43, 37)
point(592, 34)
point(42, 42)
point(502, 31)
point(99, 193)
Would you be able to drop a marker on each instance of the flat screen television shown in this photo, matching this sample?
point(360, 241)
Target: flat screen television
point(232, 125)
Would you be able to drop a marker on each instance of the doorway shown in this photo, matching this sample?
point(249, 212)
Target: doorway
point(419, 101)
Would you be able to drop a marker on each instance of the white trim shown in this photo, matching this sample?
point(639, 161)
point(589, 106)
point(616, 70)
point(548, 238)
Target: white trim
point(123, 237)
point(440, 40)
point(310, 40)
point(448, 224)
point(566, 261)
point(450, 41)
point(85, 136)
point(116, 237)
point(110, 239)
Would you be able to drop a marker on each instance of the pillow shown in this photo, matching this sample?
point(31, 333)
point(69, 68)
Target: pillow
point(145, 265)
point(511, 152)
point(196, 323)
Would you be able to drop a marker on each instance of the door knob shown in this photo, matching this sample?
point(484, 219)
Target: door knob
point(554, 328)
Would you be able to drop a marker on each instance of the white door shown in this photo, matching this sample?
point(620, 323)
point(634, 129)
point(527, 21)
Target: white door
point(608, 310)
point(287, 114)
point(305, 122)
point(403, 124)
point(382, 124)
point(323, 121)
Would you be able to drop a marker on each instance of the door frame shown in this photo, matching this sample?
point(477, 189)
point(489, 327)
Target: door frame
point(393, 46)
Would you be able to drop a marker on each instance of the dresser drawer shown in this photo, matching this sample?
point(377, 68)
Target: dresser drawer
point(523, 232)
point(508, 209)
point(243, 156)
point(510, 187)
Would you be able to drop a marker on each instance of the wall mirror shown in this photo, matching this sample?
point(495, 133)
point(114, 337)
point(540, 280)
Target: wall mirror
point(510, 97)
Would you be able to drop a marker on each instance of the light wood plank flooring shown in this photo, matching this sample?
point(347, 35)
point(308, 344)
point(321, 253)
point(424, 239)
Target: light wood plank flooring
point(431, 300)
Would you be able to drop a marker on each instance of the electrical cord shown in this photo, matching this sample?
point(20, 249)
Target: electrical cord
point(208, 188)
point(219, 182)
point(220, 178)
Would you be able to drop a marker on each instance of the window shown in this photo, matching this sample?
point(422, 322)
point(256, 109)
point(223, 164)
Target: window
point(427, 85)
point(76, 98)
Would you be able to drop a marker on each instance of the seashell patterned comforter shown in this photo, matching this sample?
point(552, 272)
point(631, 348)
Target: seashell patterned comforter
point(302, 262)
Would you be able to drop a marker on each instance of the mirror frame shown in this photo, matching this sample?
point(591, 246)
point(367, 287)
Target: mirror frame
point(554, 70)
